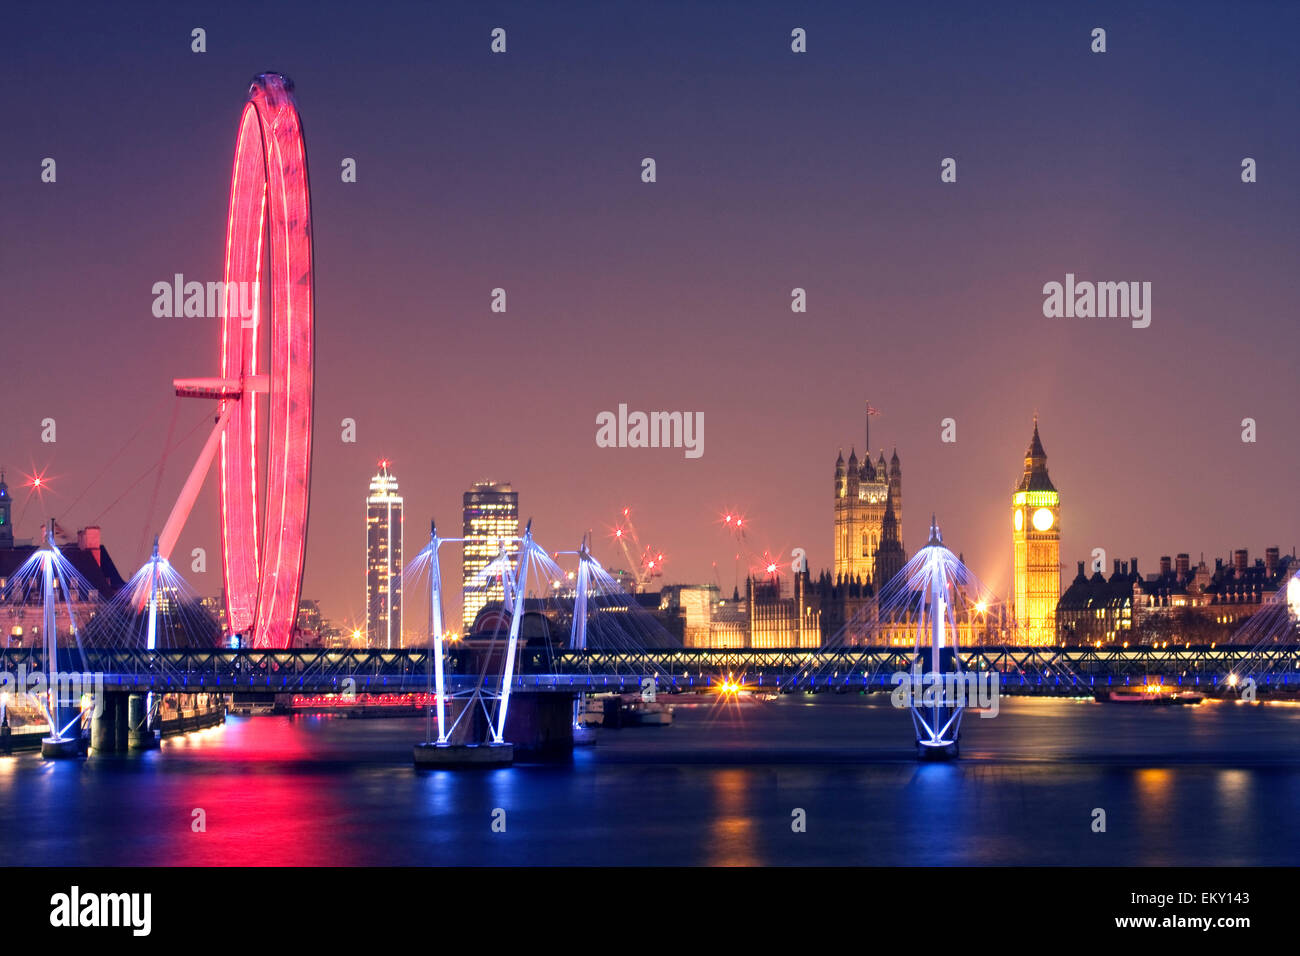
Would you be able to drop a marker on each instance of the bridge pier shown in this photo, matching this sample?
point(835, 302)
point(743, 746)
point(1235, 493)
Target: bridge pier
point(103, 725)
point(539, 726)
point(109, 729)
point(140, 735)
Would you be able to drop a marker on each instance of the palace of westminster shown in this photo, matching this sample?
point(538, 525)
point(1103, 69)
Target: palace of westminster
point(843, 606)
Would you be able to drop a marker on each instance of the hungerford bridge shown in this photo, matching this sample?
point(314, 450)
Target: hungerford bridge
point(1052, 671)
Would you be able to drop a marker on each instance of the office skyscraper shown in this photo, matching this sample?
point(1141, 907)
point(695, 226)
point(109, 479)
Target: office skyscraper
point(491, 515)
point(384, 561)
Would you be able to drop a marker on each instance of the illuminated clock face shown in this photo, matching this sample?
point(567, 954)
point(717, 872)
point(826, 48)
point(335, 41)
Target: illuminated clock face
point(1043, 519)
point(1020, 519)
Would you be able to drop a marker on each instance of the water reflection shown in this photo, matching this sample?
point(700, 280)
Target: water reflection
point(714, 788)
point(731, 826)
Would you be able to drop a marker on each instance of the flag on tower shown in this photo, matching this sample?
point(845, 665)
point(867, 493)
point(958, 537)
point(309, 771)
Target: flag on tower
point(871, 410)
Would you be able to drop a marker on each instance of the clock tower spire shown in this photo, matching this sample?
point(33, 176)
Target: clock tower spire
point(1036, 547)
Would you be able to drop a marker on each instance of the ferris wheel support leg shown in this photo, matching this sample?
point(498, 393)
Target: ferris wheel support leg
point(185, 501)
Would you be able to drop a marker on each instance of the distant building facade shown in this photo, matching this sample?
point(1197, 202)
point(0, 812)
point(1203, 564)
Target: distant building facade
point(1181, 603)
point(777, 620)
point(808, 612)
point(490, 518)
point(689, 611)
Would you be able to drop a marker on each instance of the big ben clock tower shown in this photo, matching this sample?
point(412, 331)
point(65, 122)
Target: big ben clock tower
point(1036, 535)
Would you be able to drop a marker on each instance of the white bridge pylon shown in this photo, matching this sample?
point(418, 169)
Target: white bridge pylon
point(937, 725)
point(514, 584)
point(619, 626)
point(586, 564)
point(513, 572)
point(48, 570)
point(430, 553)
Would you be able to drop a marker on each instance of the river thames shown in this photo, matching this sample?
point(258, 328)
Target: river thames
point(1213, 784)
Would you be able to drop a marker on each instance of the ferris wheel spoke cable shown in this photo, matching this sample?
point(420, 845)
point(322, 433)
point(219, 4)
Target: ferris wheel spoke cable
point(158, 476)
point(150, 470)
point(121, 450)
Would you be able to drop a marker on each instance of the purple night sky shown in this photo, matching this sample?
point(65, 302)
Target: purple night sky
point(775, 170)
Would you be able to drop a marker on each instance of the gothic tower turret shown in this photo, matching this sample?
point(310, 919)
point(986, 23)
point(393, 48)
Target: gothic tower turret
point(890, 556)
point(847, 516)
point(896, 489)
point(6, 515)
point(860, 492)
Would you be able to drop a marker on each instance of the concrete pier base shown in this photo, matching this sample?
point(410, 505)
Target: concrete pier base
point(60, 748)
point(139, 734)
point(103, 729)
point(464, 756)
point(121, 726)
point(539, 726)
point(109, 730)
point(947, 751)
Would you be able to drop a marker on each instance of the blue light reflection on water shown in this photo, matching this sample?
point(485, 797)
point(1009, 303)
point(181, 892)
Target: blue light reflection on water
point(1206, 785)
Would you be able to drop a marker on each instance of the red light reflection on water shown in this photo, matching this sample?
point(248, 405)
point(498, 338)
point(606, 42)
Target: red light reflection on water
point(270, 797)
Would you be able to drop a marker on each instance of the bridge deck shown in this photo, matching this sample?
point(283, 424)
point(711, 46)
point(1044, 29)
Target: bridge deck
point(310, 670)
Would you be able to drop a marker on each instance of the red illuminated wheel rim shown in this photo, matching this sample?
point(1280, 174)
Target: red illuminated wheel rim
point(262, 553)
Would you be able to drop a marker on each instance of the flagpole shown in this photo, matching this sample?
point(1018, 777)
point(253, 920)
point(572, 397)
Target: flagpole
point(870, 411)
